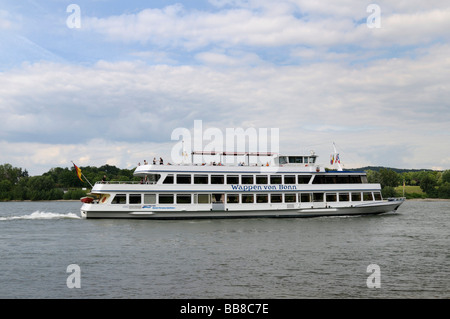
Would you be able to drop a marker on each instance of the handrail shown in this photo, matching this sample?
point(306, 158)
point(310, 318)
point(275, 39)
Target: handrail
point(124, 182)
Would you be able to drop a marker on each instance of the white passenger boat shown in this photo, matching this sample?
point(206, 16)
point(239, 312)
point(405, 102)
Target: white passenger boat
point(293, 186)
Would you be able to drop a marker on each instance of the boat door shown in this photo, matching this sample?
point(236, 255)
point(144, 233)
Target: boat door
point(218, 201)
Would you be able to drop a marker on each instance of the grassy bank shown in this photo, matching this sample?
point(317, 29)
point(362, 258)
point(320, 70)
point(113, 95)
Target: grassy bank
point(411, 192)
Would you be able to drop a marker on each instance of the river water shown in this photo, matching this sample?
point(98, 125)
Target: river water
point(325, 257)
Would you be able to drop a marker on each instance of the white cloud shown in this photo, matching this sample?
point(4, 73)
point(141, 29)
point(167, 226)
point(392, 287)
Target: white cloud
point(7, 21)
point(268, 24)
point(388, 112)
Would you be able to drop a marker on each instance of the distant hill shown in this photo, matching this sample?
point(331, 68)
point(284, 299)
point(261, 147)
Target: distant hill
point(378, 168)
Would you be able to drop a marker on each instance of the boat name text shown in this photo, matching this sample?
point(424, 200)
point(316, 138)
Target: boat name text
point(249, 188)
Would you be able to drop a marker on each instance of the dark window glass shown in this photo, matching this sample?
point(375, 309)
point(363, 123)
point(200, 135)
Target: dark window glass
point(275, 179)
point(217, 179)
point(232, 179)
point(135, 198)
point(183, 179)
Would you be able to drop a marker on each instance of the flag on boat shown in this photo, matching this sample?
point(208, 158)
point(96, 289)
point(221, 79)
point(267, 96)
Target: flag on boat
point(78, 170)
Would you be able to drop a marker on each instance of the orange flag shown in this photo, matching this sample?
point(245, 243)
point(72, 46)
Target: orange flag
point(78, 170)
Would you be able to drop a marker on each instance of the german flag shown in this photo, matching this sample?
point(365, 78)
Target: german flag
point(78, 170)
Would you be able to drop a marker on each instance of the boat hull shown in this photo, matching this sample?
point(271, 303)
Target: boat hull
point(92, 211)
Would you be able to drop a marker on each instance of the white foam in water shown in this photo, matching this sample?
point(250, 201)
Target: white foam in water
point(42, 215)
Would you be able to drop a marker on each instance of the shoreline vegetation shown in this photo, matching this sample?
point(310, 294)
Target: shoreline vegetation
point(63, 183)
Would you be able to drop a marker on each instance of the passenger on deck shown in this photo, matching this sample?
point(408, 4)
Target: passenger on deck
point(154, 160)
point(161, 162)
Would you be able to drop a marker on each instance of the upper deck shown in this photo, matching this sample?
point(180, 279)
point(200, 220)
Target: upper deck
point(193, 168)
point(278, 164)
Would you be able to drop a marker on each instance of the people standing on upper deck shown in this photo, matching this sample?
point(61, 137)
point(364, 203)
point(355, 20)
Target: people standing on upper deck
point(154, 160)
point(161, 162)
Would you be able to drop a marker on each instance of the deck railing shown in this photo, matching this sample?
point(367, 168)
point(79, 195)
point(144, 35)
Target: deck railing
point(125, 182)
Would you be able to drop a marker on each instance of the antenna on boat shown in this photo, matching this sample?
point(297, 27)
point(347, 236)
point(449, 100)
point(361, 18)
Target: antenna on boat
point(335, 159)
point(184, 154)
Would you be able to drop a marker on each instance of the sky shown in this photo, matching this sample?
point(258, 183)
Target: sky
point(109, 82)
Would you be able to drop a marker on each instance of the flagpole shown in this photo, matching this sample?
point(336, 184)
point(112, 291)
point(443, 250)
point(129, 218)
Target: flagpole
point(87, 180)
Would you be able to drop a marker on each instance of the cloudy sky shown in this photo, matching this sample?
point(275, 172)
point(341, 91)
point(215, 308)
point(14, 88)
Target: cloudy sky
point(109, 81)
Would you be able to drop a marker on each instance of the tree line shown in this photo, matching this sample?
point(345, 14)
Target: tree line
point(57, 183)
point(433, 184)
point(63, 183)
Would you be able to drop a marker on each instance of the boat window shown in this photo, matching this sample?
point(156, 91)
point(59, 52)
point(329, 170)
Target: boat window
point(200, 179)
point(217, 179)
point(305, 197)
point(377, 196)
point(233, 198)
point(248, 198)
point(261, 179)
point(262, 198)
point(184, 199)
point(312, 160)
point(232, 179)
point(344, 197)
point(149, 198)
point(336, 179)
point(303, 179)
point(331, 197)
point(119, 199)
point(367, 196)
point(296, 159)
point(275, 179)
point(289, 179)
point(282, 160)
point(275, 198)
point(168, 179)
point(202, 198)
point(319, 179)
point(153, 178)
point(247, 179)
point(356, 197)
point(135, 199)
point(166, 198)
point(183, 178)
point(318, 197)
point(344, 179)
point(290, 198)
point(218, 198)
point(363, 179)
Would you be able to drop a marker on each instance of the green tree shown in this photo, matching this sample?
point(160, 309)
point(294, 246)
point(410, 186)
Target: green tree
point(12, 174)
point(445, 177)
point(444, 191)
point(389, 177)
point(5, 189)
point(428, 185)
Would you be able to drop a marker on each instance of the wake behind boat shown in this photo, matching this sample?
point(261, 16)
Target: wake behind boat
point(293, 186)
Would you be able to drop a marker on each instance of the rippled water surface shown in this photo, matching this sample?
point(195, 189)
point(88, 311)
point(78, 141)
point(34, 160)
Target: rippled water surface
point(324, 257)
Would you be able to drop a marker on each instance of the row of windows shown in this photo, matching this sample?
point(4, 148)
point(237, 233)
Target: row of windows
point(236, 179)
point(244, 198)
point(261, 179)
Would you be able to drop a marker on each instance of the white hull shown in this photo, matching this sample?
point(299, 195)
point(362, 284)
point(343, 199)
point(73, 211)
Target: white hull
point(96, 212)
